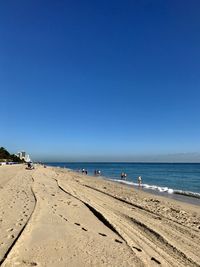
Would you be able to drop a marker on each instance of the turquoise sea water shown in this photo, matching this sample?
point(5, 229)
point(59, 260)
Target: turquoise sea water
point(168, 178)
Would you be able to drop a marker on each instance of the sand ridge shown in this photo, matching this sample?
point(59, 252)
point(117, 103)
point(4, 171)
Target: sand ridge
point(69, 219)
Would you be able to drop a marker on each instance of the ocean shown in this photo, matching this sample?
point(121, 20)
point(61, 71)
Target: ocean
point(161, 178)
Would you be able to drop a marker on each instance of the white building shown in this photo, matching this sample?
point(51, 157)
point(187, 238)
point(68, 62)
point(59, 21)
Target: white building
point(27, 158)
point(23, 156)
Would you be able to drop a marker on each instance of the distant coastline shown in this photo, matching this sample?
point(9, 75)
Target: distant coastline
point(124, 162)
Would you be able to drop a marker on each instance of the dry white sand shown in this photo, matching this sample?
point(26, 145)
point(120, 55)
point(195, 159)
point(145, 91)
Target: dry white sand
point(56, 217)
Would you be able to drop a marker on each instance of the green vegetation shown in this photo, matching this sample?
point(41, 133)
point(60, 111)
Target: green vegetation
point(6, 156)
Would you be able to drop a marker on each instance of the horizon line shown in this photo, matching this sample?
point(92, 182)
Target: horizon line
point(166, 162)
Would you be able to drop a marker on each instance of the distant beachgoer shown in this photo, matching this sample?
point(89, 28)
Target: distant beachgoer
point(86, 172)
point(139, 180)
point(97, 172)
point(123, 176)
point(30, 166)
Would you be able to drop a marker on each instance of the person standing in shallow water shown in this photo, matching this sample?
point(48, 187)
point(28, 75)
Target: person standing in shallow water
point(139, 180)
point(123, 176)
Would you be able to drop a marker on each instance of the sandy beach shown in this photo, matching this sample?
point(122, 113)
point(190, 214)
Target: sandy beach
point(56, 217)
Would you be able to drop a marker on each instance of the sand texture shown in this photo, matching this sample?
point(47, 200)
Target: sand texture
point(56, 217)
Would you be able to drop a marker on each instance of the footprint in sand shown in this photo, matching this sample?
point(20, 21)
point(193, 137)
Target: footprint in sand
point(118, 241)
point(11, 236)
point(84, 229)
point(10, 230)
point(138, 249)
point(155, 260)
point(29, 263)
point(77, 224)
point(102, 234)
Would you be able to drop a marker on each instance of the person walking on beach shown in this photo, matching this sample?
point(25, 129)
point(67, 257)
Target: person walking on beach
point(139, 180)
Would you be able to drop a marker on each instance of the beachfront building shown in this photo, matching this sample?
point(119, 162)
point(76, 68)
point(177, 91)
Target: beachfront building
point(27, 158)
point(23, 153)
point(18, 154)
point(23, 156)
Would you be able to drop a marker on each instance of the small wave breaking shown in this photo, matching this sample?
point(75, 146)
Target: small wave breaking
point(161, 189)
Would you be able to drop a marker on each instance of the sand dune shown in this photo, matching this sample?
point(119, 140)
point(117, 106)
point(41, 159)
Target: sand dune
point(55, 217)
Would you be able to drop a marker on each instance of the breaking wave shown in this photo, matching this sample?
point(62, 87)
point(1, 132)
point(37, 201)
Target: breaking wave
point(161, 189)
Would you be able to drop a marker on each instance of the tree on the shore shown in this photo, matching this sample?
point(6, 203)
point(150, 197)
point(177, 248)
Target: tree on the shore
point(6, 156)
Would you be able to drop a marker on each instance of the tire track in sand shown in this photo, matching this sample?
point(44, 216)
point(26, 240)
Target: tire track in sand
point(175, 231)
point(21, 197)
point(149, 251)
point(62, 232)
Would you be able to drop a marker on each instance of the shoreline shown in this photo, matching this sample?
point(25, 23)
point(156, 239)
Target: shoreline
point(163, 196)
point(179, 197)
point(48, 211)
point(176, 196)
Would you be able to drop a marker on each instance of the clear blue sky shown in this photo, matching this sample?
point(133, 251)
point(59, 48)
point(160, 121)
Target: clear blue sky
point(95, 80)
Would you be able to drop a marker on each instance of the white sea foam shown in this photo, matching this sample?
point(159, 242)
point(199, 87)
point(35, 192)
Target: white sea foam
point(162, 189)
